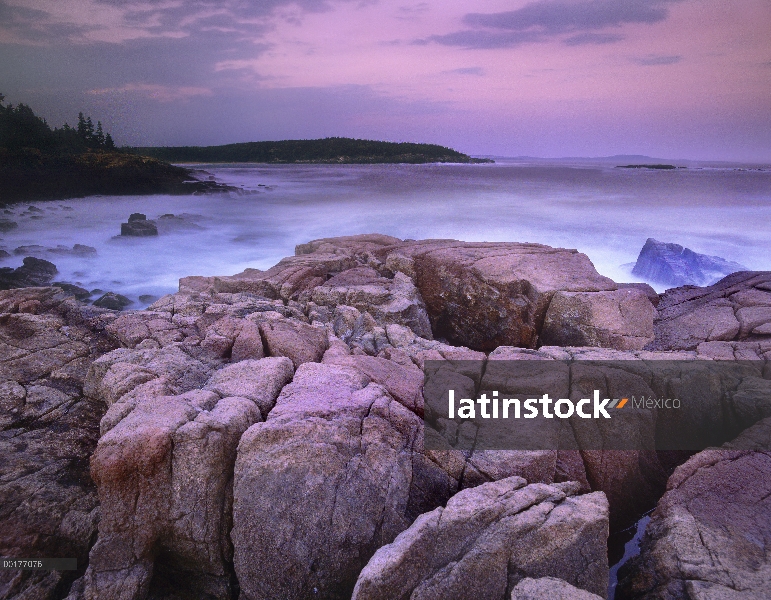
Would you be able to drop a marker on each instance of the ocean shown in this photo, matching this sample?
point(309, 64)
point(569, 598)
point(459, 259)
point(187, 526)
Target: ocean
point(603, 211)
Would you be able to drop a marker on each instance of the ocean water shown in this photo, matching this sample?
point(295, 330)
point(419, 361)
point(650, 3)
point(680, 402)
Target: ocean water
point(605, 212)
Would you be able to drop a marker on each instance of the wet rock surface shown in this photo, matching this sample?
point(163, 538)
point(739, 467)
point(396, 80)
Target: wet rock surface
point(709, 534)
point(261, 434)
point(48, 431)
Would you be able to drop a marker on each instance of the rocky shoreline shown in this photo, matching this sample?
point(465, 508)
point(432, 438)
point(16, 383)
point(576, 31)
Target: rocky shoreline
point(36, 176)
point(260, 436)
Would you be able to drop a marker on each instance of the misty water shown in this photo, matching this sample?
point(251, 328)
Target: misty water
point(602, 211)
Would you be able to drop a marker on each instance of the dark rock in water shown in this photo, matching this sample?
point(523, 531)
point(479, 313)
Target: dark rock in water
point(112, 301)
point(672, 264)
point(77, 291)
point(34, 209)
point(147, 298)
point(6, 225)
point(35, 272)
point(138, 226)
point(29, 250)
point(169, 223)
point(3, 254)
point(76, 250)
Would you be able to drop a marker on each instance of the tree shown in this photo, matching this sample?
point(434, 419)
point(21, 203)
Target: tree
point(108, 143)
point(82, 126)
point(99, 134)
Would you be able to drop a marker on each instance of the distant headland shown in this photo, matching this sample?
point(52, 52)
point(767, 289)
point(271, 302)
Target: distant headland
point(333, 150)
point(38, 162)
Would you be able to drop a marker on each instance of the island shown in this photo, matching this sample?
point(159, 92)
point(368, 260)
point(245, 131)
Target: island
point(332, 150)
point(659, 167)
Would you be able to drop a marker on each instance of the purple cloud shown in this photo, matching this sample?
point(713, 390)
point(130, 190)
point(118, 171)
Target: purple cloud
point(545, 20)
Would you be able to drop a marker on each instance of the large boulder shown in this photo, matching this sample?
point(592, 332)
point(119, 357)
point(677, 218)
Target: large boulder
point(488, 538)
point(708, 537)
point(333, 473)
point(673, 265)
point(296, 340)
point(737, 308)
point(164, 473)
point(622, 319)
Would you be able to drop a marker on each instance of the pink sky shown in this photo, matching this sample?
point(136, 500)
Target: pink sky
point(669, 78)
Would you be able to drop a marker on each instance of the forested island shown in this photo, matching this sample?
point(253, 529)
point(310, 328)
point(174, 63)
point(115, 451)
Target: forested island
point(40, 162)
point(334, 150)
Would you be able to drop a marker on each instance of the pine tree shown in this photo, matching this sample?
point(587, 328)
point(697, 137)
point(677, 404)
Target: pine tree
point(82, 126)
point(99, 134)
point(108, 143)
point(89, 130)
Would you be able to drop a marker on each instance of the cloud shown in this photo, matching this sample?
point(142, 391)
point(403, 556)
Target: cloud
point(161, 93)
point(478, 71)
point(652, 60)
point(118, 21)
point(581, 39)
point(484, 39)
point(545, 20)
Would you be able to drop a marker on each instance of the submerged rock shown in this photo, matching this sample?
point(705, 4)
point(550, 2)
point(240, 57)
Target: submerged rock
point(78, 250)
point(671, 264)
point(77, 291)
point(112, 301)
point(7, 225)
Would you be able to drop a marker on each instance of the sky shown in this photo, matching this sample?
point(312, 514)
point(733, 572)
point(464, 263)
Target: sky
point(664, 78)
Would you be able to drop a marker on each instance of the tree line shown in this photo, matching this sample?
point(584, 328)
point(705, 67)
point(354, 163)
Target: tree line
point(21, 128)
